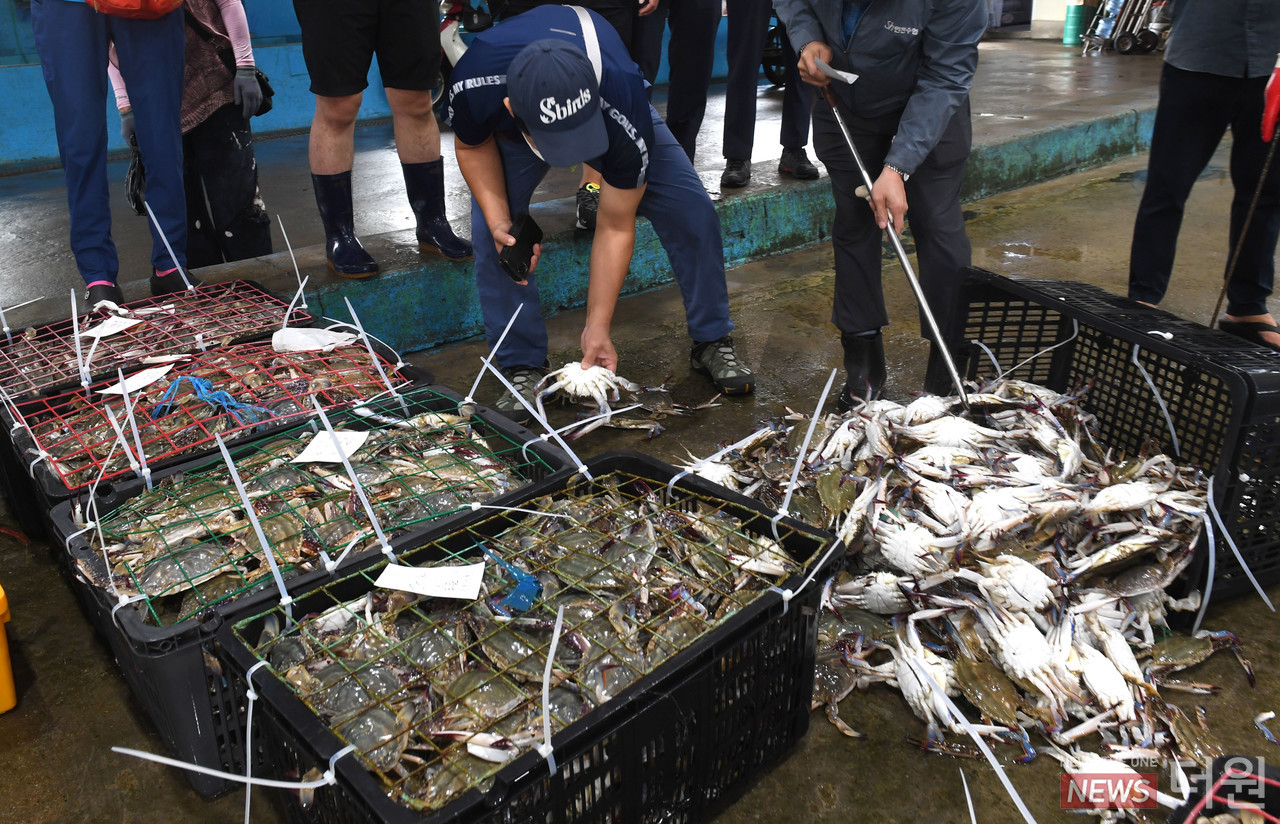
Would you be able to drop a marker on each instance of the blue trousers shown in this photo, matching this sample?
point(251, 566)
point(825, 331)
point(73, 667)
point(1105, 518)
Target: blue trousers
point(682, 215)
point(72, 41)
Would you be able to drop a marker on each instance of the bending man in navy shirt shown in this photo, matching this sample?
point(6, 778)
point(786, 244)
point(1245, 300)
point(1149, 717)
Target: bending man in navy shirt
point(558, 89)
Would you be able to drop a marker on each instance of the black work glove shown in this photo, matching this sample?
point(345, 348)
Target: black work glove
point(127, 128)
point(247, 92)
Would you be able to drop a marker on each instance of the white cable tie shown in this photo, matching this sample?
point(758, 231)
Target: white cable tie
point(41, 455)
point(133, 426)
point(248, 681)
point(545, 749)
point(168, 248)
point(1213, 553)
point(296, 272)
point(497, 373)
point(88, 527)
point(990, 355)
point(377, 364)
point(976, 736)
point(122, 603)
point(328, 776)
point(257, 527)
point(973, 819)
point(1075, 333)
point(477, 505)
point(485, 361)
point(1177, 451)
point(1160, 334)
point(326, 780)
point(200, 342)
point(288, 312)
point(804, 449)
point(355, 481)
point(786, 594)
point(1217, 517)
point(252, 695)
point(124, 441)
point(331, 565)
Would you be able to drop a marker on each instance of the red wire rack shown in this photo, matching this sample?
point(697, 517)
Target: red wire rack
point(263, 388)
point(44, 359)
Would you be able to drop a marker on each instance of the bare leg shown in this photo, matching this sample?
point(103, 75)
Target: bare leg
point(331, 146)
point(414, 122)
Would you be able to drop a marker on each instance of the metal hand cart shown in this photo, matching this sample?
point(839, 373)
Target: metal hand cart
point(1128, 26)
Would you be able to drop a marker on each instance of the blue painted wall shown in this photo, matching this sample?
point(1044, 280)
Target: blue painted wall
point(26, 116)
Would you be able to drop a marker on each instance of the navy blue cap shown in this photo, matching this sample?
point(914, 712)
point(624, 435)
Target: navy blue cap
point(553, 89)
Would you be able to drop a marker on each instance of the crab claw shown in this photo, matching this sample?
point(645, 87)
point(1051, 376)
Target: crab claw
point(1248, 667)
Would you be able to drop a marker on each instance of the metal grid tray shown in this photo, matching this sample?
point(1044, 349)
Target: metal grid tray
point(43, 359)
point(250, 389)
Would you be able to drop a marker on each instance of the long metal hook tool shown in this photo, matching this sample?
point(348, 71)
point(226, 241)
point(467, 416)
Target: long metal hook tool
point(830, 97)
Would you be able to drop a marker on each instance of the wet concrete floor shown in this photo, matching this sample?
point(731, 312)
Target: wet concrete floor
point(54, 748)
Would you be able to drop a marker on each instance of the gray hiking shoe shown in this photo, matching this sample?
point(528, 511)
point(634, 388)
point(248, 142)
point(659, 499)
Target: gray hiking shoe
point(718, 359)
point(523, 378)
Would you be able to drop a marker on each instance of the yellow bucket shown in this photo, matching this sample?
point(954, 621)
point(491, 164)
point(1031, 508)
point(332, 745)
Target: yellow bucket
point(8, 697)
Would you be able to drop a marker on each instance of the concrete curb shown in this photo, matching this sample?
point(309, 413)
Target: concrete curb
point(420, 301)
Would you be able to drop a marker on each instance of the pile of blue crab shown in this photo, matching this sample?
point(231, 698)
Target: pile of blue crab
point(1005, 556)
point(436, 695)
point(188, 544)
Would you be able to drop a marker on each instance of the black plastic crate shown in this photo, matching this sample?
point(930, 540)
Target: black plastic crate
point(83, 450)
point(198, 710)
point(1222, 393)
point(678, 744)
point(42, 360)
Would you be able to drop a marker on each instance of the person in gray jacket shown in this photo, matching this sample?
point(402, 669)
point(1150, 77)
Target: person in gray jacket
point(908, 113)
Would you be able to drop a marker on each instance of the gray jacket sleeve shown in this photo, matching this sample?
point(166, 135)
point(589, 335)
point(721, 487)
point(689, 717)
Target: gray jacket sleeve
point(801, 21)
point(949, 57)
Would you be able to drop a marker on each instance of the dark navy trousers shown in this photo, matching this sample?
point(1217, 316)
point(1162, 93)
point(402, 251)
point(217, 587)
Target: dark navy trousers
point(72, 41)
point(1194, 112)
point(682, 215)
point(748, 30)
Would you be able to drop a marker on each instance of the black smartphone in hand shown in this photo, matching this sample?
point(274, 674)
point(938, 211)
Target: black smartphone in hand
point(515, 259)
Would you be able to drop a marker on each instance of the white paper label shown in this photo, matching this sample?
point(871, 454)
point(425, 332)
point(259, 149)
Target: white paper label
point(138, 380)
point(321, 449)
point(461, 582)
point(306, 339)
point(113, 325)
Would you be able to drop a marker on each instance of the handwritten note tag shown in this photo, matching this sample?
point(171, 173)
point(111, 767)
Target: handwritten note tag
point(321, 450)
point(461, 582)
point(113, 325)
point(138, 380)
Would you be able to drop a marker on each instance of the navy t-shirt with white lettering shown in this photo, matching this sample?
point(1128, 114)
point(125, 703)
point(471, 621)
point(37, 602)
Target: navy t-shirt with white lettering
point(478, 86)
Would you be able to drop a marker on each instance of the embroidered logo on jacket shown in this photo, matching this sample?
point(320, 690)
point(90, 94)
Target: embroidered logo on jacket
point(889, 25)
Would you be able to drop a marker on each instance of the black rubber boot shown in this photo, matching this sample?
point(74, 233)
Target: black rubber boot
point(341, 246)
point(864, 367)
point(425, 184)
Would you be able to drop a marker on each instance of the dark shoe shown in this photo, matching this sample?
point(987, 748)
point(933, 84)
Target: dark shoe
point(424, 183)
point(737, 173)
point(588, 206)
point(341, 246)
point(864, 367)
point(103, 292)
point(718, 359)
point(796, 163)
point(170, 283)
point(1250, 330)
point(524, 379)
